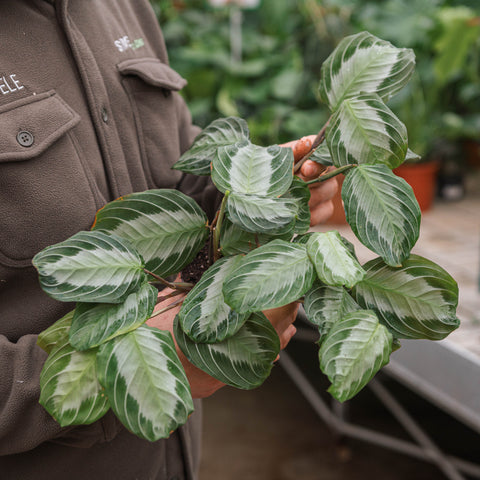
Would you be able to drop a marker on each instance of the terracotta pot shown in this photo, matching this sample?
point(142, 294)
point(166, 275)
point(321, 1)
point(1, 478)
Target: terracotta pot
point(422, 177)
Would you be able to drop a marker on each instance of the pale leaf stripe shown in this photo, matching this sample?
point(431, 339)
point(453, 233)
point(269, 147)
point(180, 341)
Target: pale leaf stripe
point(333, 261)
point(70, 391)
point(167, 227)
point(243, 360)
point(204, 316)
point(90, 267)
point(249, 169)
point(418, 300)
point(221, 132)
point(362, 63)
point(268, 277)
point(354, 350)
point(325, 305)
point(94, 324)
point(145, 382)
point(382, 211)
point(365, 131)
point(261, 214)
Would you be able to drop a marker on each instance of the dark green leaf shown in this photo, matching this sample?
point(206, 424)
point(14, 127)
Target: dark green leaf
point(94, 324)
point(355, 349)
point(167, 227)
point(418, 300)
point(254, 214)
point(221, 132)
point(204, 316)
point(90, 267)
point(382, 211)
point(270, 276)
point(70, 391)
point(334, 263)
point(325, 306)
point(248, 169)
point(242, 361)
point(145, 382)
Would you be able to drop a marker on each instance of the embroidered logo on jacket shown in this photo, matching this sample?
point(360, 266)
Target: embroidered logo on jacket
point(9, 84)
point(123, 44)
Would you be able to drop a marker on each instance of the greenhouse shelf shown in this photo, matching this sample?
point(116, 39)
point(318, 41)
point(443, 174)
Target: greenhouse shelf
point(430, 369)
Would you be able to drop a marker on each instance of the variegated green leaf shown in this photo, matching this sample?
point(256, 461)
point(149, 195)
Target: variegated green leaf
point(252, 170)
point(349, 246)
point(204, 316)
point(56, 334)
point(418, 300)
point(333, 261)
point(322, 155)
point(303, 239)
point(242, 361)
point(382, 211)
point(90, 267)
point(364, 130)
point(300, 192)
point(94, 324)
point(355, 349)
point(167, 227)
point(412, 156)
point(363, 63)
point(70, 391)
point(235, 241)
point(145, 382)
point(270, 276)
point(325, 306)
point(220, 133)
point(261, 214)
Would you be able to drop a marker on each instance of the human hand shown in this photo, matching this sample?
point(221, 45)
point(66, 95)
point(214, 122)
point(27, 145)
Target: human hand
point(201, 384)
point(282, 319)
point(322, 193)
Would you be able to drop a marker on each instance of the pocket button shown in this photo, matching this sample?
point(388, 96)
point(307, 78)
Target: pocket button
point(25, 139)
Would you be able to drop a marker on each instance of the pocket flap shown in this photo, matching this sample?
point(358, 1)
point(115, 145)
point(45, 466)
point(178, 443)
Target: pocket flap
point(153, 72)
point(30, 125)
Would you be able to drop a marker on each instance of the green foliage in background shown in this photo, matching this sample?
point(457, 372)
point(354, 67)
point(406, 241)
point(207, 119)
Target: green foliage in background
point(285, 43)
point(274, 87)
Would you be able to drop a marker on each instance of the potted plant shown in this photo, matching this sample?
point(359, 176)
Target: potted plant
point(261, 256)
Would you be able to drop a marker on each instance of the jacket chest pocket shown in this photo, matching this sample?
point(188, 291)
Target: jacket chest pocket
point(46, 195)
point(152, 88)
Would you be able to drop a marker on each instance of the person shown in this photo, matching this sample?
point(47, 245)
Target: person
point(89, 111)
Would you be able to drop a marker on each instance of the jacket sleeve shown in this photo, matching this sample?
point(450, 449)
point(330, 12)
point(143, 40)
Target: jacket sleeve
point(24, 423)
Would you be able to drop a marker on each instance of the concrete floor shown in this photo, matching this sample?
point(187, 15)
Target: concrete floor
point(272, 433)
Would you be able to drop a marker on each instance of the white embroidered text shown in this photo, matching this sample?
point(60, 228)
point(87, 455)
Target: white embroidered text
point(9, 84)
point(124, 43)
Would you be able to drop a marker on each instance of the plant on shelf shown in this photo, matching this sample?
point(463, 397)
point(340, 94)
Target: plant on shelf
point(261, 256)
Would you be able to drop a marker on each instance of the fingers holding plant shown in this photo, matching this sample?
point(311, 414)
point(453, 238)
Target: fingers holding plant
point(282, 319)
point(322, 193)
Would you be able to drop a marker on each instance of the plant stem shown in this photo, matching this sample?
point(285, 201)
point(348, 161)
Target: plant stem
point(175, 293)
point(176, 286)
point(332, 174)
point(168, 307)
point(218, 227)
point(316, 143)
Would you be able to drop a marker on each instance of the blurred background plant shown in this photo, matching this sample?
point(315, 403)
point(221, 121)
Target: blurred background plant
point(271, 78)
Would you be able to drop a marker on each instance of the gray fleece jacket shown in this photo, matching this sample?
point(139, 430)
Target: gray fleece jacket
point(89, 111)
